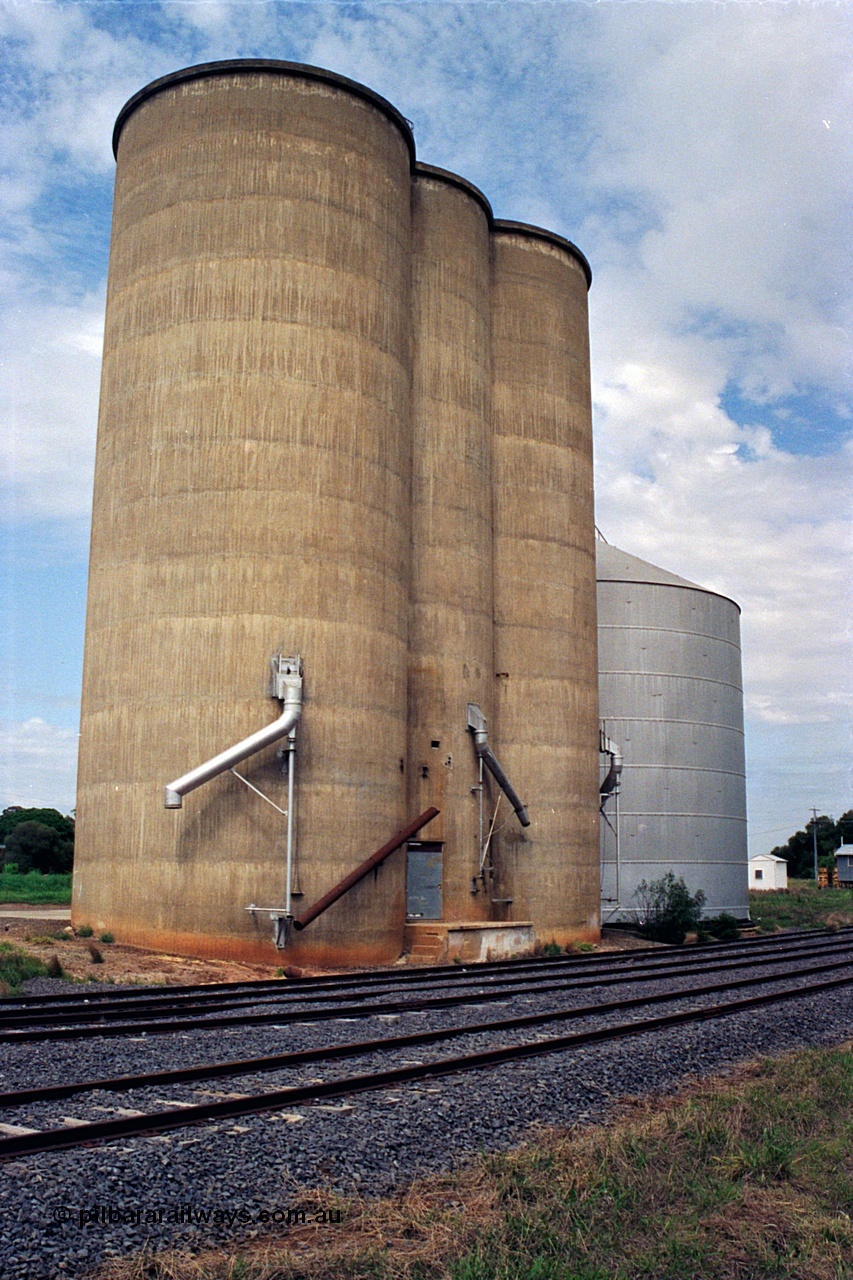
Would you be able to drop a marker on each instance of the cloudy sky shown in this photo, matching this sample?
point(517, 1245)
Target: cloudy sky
point(699, 154)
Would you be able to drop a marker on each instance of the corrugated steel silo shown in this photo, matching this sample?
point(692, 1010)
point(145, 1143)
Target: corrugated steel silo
point(450, 631)
point(671, 697)
point(545, 619)
point(252, 490)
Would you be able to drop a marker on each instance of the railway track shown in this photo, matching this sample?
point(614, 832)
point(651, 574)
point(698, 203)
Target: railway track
point(431, 976)
point(830, 969)
point(303, 1003)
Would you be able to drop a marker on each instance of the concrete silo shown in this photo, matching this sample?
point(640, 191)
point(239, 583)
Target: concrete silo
point(450, 629)
point(545, 632)
point(671, 701)
point(252, 491)
point(344, 426)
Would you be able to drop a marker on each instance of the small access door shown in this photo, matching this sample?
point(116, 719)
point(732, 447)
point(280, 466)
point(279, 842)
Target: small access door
point(424, 862)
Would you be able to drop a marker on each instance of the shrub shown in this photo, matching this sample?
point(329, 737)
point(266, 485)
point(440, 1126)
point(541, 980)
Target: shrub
point(724, 927)
point(106, 937)
point(667, 910)
point(85, 931)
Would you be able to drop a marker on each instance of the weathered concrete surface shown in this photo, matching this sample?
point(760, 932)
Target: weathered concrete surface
point(343, 413)
point(545, 613)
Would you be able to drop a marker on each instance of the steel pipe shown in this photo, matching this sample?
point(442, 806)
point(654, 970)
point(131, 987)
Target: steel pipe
point(175, 791)
point(360, 872)
point(477, 725)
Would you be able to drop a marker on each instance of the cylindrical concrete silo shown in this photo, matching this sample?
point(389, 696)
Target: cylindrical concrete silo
point(251, 492)
point(450, 630)
point(546, 726)
point(671, 697)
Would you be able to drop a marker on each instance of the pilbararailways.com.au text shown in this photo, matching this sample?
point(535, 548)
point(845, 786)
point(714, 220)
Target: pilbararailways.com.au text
point(108, 1215)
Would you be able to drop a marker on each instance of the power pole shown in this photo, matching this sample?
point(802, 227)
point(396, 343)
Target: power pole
point(814, 835)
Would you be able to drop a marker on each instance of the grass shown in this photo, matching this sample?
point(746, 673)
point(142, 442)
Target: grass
point(746, 1178)
point(51, 890)
point(801, 906)
point(16, 966)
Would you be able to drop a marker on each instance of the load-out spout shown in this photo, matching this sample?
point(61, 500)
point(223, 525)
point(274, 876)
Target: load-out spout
point(608, 747)
point(287, 677)
point(477, 725)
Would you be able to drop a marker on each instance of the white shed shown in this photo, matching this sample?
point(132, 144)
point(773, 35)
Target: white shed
point(766, 871)
point(844, 864)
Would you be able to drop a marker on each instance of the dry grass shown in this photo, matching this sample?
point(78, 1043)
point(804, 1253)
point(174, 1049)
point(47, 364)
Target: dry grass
point(747, 1178)
point(801, 906)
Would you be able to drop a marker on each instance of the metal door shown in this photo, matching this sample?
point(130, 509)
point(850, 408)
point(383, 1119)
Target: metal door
point(423, 881)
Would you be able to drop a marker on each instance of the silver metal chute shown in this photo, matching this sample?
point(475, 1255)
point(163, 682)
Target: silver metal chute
point(477, 725)
point(608, 747)
point(287, 685)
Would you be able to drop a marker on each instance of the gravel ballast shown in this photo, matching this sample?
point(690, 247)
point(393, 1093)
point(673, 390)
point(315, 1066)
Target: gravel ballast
point(67, 1211)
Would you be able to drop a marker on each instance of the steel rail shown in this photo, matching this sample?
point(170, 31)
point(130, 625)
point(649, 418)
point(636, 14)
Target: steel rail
point(300, 1057)
point(55, 1026)
point(285, 999)
point(150, 997)
point(419, 975)
point(159, 1122)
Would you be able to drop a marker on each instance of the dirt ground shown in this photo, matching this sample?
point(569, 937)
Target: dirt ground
point(44, 935)
point(46, 932)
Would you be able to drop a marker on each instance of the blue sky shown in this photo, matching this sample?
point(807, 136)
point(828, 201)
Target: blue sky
point(698, 153)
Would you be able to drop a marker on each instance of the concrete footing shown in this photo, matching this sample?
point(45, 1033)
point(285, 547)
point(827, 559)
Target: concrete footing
point(442, 941)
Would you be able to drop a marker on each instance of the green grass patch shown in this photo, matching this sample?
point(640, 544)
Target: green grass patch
point(749, 1177)
point(801, 906)
point(35, 888)
point(16, 966)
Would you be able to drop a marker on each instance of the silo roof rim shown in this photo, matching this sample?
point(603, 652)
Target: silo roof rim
point(551, 237)
point(656, 578)
point(456, 180)
point(275, 67)
point(303, 70)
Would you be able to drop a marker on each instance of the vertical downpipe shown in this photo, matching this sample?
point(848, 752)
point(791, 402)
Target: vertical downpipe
point(291, 765)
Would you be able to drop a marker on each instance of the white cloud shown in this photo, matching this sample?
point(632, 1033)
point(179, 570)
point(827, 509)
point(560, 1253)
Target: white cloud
point(713, 130)
point(38, 765)
point(50, 358)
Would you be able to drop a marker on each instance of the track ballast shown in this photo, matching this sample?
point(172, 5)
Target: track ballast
point(426, 1078)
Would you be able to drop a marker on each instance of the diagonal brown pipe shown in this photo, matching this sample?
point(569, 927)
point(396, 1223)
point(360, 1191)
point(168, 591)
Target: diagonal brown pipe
point(360, 872)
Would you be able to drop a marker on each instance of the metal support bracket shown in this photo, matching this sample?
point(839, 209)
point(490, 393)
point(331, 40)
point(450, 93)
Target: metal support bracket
point(257, 792)
point(280, 921)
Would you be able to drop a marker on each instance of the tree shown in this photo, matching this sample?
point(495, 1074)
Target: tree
point(32, 846)
point(15, 814)
point(49, 849)
point(798, 852)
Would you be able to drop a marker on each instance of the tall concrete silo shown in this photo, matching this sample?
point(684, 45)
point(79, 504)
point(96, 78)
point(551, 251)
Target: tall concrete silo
point(450, 633)
point(252, 491)
point(671, 699)
point(545, 631)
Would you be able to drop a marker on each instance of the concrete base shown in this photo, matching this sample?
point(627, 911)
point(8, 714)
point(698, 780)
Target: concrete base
point(442, 941)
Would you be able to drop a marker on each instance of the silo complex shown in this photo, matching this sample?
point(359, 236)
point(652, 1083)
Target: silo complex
point(671, 701)
point(345, 416)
